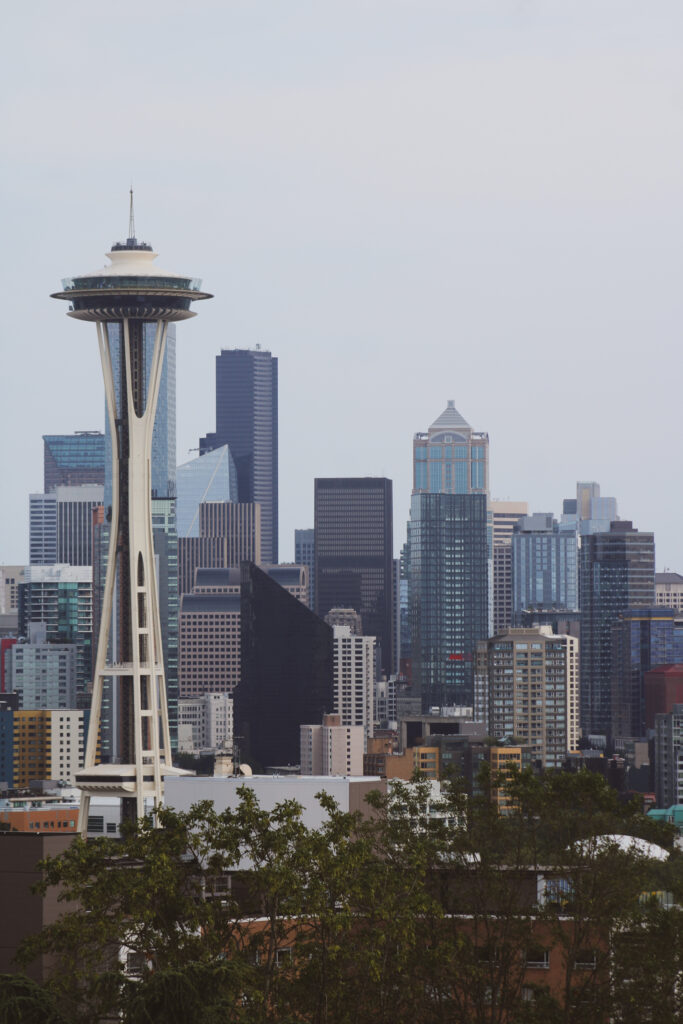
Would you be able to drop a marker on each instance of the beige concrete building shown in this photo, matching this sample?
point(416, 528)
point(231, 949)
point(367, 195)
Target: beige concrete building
point(528, 683)
point(505, 514)
point(332, 748)
point(354, 674)
point(669, 590)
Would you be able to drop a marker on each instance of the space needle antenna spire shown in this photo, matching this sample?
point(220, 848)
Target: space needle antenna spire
point(131, 217)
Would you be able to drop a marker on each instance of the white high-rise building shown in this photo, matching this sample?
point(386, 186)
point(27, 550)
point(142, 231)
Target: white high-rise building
point(205, 723)
point(354, 674)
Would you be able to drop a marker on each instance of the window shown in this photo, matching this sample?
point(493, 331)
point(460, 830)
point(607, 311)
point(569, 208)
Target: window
point(135, 964)
point(537, 958)
point(586, 960)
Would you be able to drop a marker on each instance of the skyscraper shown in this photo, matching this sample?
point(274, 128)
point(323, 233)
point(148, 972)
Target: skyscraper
point(641, 639)
point(247, 421)
point(304, 554)
point(545, 573)
point(70, 460)
point(229, 533)
point(211, 477)
point(505, 515)
point(451, 458)
point(448, 541)
point(617, 571)
point(132, 303)
point(286, 671)
point(60, 525)
point(354, 554)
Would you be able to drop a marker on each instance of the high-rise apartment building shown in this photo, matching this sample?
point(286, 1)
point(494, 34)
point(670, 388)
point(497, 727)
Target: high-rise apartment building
point(354, 674)
point(211, 477)
point(669, 590)
point(70, 460)
point(60, 596)
point(354, 554)
point(42, 529)
point(505, 515)
point(247, 421)
point(617, 571)
point(47, 744)
point(43, 675)
point(448, 541)
point(545, 572)
point(530, 679)
point(304, 554)
point(286, 675)
point(641, 639)
point(589, 512)
point(229, 533)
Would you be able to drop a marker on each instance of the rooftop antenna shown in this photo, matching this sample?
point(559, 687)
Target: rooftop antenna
point(131, 218)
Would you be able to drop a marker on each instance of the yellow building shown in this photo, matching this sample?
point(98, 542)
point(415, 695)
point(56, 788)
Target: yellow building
point(48, 744)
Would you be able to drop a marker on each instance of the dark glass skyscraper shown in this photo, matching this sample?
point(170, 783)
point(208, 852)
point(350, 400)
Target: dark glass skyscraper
point(286, 673)
point(641, 639)
point(246, 420)
point(448, 542)
point(617, 571)
point(354, 554)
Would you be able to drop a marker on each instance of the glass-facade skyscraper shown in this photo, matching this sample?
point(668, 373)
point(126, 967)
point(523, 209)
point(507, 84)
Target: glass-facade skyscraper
point(449, 559)
point(545, 566)
point(642, 638)
point(73, 459)
point(211, 477)
point(354, 554)
point(247, 421)
point(451, 458)
point(617, 571)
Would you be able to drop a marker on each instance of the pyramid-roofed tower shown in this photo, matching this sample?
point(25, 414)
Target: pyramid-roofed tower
point(450, 419)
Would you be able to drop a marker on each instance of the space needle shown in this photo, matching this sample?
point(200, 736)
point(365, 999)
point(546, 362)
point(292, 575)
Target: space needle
point(130, 301)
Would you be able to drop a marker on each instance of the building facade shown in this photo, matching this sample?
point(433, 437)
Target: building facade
point(210, 477)
point(43, 675)
point(530, 679)
point(545, 566)
point(450, 458)
point(247, 421)
point(70, 460)
point(448, 542)
point(60, 596)
point(669, 590)
point(228, 533)
point(669, 757)
point(617, 571)
point(304, 554)
point(641, 639)
point(286, 675)
point(60, 525)
point(505, 515)
point(354, 674)
point(332, 748)
point(47, 744)
point(205, 723)
point(354, 554)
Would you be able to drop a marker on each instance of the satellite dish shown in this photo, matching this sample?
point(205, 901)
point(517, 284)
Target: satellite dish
point(245, 770)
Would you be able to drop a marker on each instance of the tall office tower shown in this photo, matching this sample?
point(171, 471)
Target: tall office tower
point(663, 689)
point(70, 460)
point(287, 671)
point(354, 555)
point(505, 515)
point(544, 566)
point(669, 757)
point(60, 596)
point(42, 529)
point(617, 571)
point(229, 533)
point(211, 477)
point(60, 525)
point(589, 512)
point(132, 302)
point(210, 624)
point(331, 748)
point(404, 610)
point(304, 554)
point(669, 590)
point(354, 675)
point(451, 458)
point(246, 420)
point(641, 639)
point(531, 681)
point(448, 594)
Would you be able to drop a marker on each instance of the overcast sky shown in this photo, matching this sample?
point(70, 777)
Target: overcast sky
point(406, 201)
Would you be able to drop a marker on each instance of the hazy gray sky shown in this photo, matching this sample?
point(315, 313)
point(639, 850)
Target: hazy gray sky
point(406, 201)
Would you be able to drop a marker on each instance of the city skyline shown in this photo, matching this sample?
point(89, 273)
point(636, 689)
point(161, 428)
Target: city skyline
point(372, 218)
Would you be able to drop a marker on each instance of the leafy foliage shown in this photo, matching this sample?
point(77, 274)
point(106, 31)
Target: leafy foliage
point(415, 910)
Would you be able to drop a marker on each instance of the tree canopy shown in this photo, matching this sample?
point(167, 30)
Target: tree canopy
point(437, 912)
